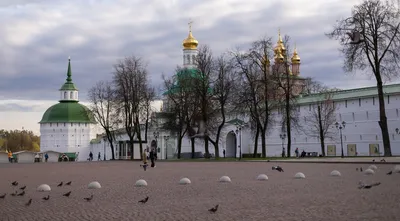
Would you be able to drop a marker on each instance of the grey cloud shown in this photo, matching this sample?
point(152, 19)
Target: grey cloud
point(43, 63)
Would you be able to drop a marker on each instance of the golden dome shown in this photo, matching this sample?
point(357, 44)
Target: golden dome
point(295, 57)
point(190, 42)
point(279, 45)
point(278, 55)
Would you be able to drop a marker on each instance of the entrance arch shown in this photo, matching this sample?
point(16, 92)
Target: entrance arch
point(230, 145)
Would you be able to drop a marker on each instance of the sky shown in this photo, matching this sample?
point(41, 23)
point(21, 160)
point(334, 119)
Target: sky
point(38, 36)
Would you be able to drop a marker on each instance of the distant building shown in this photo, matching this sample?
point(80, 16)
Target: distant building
point(68, 126)
point(358, 108)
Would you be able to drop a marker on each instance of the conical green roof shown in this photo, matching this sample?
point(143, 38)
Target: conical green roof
point(69, 85)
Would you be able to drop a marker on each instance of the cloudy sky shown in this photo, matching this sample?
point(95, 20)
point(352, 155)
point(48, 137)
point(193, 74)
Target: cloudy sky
point(37, 36)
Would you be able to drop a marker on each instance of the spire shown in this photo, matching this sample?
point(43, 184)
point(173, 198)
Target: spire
point(69, 79)
point(295, 57)
point(190, 42)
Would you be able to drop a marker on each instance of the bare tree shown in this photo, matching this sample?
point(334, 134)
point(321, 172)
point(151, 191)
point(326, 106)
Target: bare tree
point(181, 104)
point(289, 86)
point(321, 117)
point(202, 89)
point(104, 109)
point(257, 90)
point(130, 79)
point(373, 31)
point(223, 81)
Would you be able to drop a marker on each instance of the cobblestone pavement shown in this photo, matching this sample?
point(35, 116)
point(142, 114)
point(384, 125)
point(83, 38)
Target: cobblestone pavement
point(319, 197)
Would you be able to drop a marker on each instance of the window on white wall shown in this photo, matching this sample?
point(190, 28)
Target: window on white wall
point(71, 95)
point(373, 100)
point(367, 115)
point(388, 98)
point(345, 103)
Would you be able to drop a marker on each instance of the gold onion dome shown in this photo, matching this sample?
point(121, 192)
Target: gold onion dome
point(295, 57)
point(190, 42)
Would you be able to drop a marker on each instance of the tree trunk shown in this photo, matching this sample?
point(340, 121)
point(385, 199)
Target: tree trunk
point(263, 143)
point(193, 146)
point(321, 131)
point(131, 146)
point(256, 143)
point(206, 147)
point(288, 125)
point(216, 146)
point(139, 136)
point(179, 146)
point(383, 120)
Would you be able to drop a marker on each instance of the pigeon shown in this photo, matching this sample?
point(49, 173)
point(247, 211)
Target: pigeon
point(21, 194)
point(361, 169)
point(69, 183)
point(383, 160)
point(278, 168)
point(28, 203)
point(88, 198)
point(46, 197)
point(214, 209)
point(22, 188)
point(355, 37)
point(144, 200)
point(3, 196)
point(60, 184)
point(14, 194)
point(362, 185)
point(15, 183)
point(389, 173)
point(357, 169)
point(67, 194)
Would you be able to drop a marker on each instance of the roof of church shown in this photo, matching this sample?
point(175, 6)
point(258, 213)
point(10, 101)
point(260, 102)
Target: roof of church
point(349, 94)
point(68, 112)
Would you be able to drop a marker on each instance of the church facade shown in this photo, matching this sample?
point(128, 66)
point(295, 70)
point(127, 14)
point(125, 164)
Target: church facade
point(355, 110)
point(68, 126)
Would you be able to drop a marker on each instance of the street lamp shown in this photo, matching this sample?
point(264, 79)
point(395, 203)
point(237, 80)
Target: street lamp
point(340, 127)
point(239, 132)
point(166, 147)
point(283, 137)
point(104, 139)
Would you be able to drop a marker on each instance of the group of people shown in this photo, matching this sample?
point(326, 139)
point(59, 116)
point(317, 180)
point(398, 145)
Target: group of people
point(149, 153)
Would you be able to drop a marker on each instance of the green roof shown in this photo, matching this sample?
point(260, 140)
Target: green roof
point(183, 74)
point(236, 122)
point(68, 112)
point(349, 94)
point(68, 85)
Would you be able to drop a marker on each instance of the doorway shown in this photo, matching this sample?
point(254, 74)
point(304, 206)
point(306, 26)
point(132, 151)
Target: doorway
point(230, 147)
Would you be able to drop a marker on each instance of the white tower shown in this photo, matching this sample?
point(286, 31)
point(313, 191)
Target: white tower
point(190, 50)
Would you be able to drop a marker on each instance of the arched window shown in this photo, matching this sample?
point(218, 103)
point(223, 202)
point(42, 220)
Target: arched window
point(194, 59)
point(184, 60)
point(188, 59)
point(71, 95)
point(65, 95)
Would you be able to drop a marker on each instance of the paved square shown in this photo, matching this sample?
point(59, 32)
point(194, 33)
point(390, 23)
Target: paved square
point(319, 197)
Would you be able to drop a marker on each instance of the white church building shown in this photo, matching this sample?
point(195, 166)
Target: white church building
point(357, 108)
point(70, 127)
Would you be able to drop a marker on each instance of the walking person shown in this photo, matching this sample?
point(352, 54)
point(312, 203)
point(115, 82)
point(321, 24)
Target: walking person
point(144, 156)
point(10, 156)
point(90, 156)
point(297, 152)
point(99, 157)
point(46, 157)
point(153, 164)
point(223, 152)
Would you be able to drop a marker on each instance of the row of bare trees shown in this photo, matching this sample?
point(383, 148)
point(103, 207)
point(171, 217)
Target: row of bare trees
point(124, 102)
point(240, 84)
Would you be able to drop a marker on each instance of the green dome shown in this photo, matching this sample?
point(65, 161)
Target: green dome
point(68, 112)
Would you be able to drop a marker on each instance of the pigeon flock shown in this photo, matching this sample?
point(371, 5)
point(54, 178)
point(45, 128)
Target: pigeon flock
point(20, 191)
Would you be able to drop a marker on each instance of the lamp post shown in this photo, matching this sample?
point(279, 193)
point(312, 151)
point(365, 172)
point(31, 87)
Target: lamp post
point(166, 147)
point(104, 139)
point(340, 127)
point(156, 134)
point(283, 137)
point(239, 132)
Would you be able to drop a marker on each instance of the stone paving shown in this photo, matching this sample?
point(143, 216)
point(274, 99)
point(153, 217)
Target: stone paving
point(356, 160)
point(319, 197)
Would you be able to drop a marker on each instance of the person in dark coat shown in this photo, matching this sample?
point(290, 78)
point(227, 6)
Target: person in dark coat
point(152, 157)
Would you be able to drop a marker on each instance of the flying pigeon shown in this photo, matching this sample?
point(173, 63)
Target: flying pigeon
point(67, 194)
point(3, 196)
point(60, 184)
point(21, 194)
point(214, 209)
point(22, 188)
point(15, 183)
point(355, 37)
point(69, 183)
point(144, 200)
point(278, 168)
point(389, 173)
point(46, 197)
